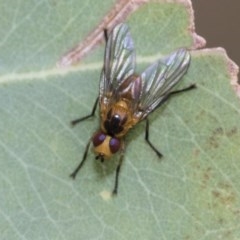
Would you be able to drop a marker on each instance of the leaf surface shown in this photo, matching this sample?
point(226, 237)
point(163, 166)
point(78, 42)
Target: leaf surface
point(192, 193)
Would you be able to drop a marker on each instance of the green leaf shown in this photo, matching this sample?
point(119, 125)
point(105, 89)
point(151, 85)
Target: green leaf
point(192, 193)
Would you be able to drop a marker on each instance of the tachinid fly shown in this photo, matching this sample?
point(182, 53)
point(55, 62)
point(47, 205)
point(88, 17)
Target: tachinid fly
point(126, 98)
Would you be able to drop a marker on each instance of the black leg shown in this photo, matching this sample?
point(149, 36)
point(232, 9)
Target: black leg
point(115, 190)
point(74, 173)
point(191, 87)
point(105, 34)
point(74, 122)
point(148, 141)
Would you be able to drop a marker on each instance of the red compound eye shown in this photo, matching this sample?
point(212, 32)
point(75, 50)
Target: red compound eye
point(114, 145)
point(98, 139)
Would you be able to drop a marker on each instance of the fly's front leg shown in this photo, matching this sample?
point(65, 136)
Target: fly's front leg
point(115, 189)
point(74, 122)
point(74, 173)
point(148, 141)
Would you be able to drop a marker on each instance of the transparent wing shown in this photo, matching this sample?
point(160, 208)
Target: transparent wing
point(119, 60)
point(159, 78)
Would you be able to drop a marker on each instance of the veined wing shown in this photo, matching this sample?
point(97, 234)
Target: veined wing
point(159, 78)
point(119, 61)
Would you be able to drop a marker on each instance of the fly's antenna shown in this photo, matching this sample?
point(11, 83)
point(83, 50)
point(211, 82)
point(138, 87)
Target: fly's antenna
point(100, 156)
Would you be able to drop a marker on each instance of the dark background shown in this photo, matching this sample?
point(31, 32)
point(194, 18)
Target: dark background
point(218, 21)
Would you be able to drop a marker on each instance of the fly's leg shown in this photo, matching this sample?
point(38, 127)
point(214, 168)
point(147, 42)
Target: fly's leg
point(74, 173)
point(149, 142)
point(105, 34)
point(191, 87)
point(115, 189)
point(74, 122)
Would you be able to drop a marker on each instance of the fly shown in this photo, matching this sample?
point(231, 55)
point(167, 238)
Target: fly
point(126, 98)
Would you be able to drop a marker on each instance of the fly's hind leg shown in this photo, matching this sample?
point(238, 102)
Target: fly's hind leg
point(105, 32)
point(76, 121)
point(191, 87)
point(149, 142)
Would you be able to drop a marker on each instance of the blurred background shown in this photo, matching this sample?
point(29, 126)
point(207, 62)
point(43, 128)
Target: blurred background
point(218, 21)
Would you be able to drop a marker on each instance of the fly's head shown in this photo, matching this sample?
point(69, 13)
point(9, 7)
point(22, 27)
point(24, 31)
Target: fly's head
point(105, 145)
